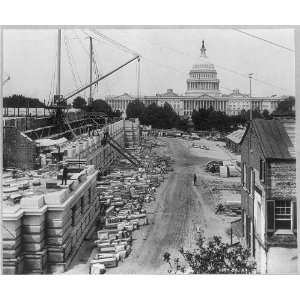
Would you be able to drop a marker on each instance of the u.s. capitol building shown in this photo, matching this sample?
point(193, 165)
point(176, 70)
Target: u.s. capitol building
point(202, 91)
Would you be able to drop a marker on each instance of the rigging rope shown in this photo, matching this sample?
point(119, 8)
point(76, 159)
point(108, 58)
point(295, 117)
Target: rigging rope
point(70, 62)
point(117, 44)
point(51, 93)
point(264, 40)
point(217, 65)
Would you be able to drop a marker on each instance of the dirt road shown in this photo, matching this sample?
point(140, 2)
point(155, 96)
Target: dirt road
point(180, 208)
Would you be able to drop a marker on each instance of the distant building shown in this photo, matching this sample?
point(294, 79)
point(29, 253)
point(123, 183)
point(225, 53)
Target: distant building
point(236, 102)
point(268, 194)
point(203, 78)
point(202, 91)
point(120, 102)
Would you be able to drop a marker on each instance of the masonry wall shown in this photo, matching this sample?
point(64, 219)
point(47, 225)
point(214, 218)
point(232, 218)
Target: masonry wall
point(132, 132)
point(12, 245)
point(18, 150)
point(68, 224)
point(278, 183)
point(46, 236)
point(251, 157)
point(282, 180)
point(24, 124)
point(44, 232)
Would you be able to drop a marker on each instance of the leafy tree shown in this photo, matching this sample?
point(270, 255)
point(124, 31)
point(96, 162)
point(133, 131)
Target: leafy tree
point(100, 106)
point(22, 101)
point(170, 115)
point(286, 106)
point(135, 109)
point(214, 257)
point(79, 102)
point(182, 124)
point(159, 117)
point(266, 114)
point(200, 118)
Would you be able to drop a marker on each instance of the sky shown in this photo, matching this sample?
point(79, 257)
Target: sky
point(167, 55)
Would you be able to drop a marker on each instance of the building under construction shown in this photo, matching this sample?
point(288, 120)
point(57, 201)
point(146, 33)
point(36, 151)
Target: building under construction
point(45, 219)
point(51, 165)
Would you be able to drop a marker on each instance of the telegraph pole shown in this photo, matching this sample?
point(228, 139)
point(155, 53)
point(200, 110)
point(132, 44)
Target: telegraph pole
point(91, 69)
point(250, 86)
point(58, 92)
point(138, 78)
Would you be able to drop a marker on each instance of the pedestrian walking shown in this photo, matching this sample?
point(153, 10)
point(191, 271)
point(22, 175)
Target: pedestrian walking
point(195, 179)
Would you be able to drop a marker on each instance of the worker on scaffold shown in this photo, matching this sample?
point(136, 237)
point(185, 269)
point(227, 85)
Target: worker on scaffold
point(64, 175)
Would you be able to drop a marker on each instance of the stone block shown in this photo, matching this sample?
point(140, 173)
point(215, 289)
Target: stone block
point(35, 220)
point(33, 247)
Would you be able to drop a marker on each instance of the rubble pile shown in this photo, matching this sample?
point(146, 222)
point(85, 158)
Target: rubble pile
point(124, 192)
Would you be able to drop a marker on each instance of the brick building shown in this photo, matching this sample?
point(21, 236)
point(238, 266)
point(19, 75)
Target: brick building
point(268, 194)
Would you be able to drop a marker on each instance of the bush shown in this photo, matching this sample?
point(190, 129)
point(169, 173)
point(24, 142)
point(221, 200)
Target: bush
point(214, 257)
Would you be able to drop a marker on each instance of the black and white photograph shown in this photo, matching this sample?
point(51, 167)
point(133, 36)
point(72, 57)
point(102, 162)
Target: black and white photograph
point(148, 151)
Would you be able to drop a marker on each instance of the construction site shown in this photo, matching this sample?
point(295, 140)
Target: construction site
point(88, 191)
point(126, 200)
point(84, 193)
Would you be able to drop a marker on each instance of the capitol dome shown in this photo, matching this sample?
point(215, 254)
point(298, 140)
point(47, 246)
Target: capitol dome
point(205, 66)
point(203, 77)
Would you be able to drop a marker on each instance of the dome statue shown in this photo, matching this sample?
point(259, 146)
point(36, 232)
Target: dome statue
point(203, 77)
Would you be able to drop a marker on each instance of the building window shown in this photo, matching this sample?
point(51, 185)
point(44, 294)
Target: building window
point(283, 215)
point(244, 175)
point(252, 183)
point(73, 211)
point(250, 140)
point(90, 195)
point(262, 170)
point(82, 205)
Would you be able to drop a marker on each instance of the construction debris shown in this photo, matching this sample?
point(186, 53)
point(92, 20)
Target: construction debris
point(226, 168)
point(123, 192)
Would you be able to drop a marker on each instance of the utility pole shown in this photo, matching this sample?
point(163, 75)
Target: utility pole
point(91, 70)
point(1, 141)
point(138, 78)
point(58, 92)
point(250, 86)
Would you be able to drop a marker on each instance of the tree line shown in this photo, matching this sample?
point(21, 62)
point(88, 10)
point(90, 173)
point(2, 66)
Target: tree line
point(98, 105)
point(22, 101)
point(203, 119)
point(163, 117)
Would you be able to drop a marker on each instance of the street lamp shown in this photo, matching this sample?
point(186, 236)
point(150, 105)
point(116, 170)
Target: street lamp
point(250, 93)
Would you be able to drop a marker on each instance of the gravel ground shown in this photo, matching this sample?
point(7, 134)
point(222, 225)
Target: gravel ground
point(179, 209)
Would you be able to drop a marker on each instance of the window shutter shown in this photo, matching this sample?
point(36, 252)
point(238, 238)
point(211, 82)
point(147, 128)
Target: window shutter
point(242, 175)
point(271, 215)
point(248, 178)
point(252, 183)
point(260, 169)
point(294, 215)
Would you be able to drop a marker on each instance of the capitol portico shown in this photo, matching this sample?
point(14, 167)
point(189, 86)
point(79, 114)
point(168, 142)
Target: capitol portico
point(202, 91)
